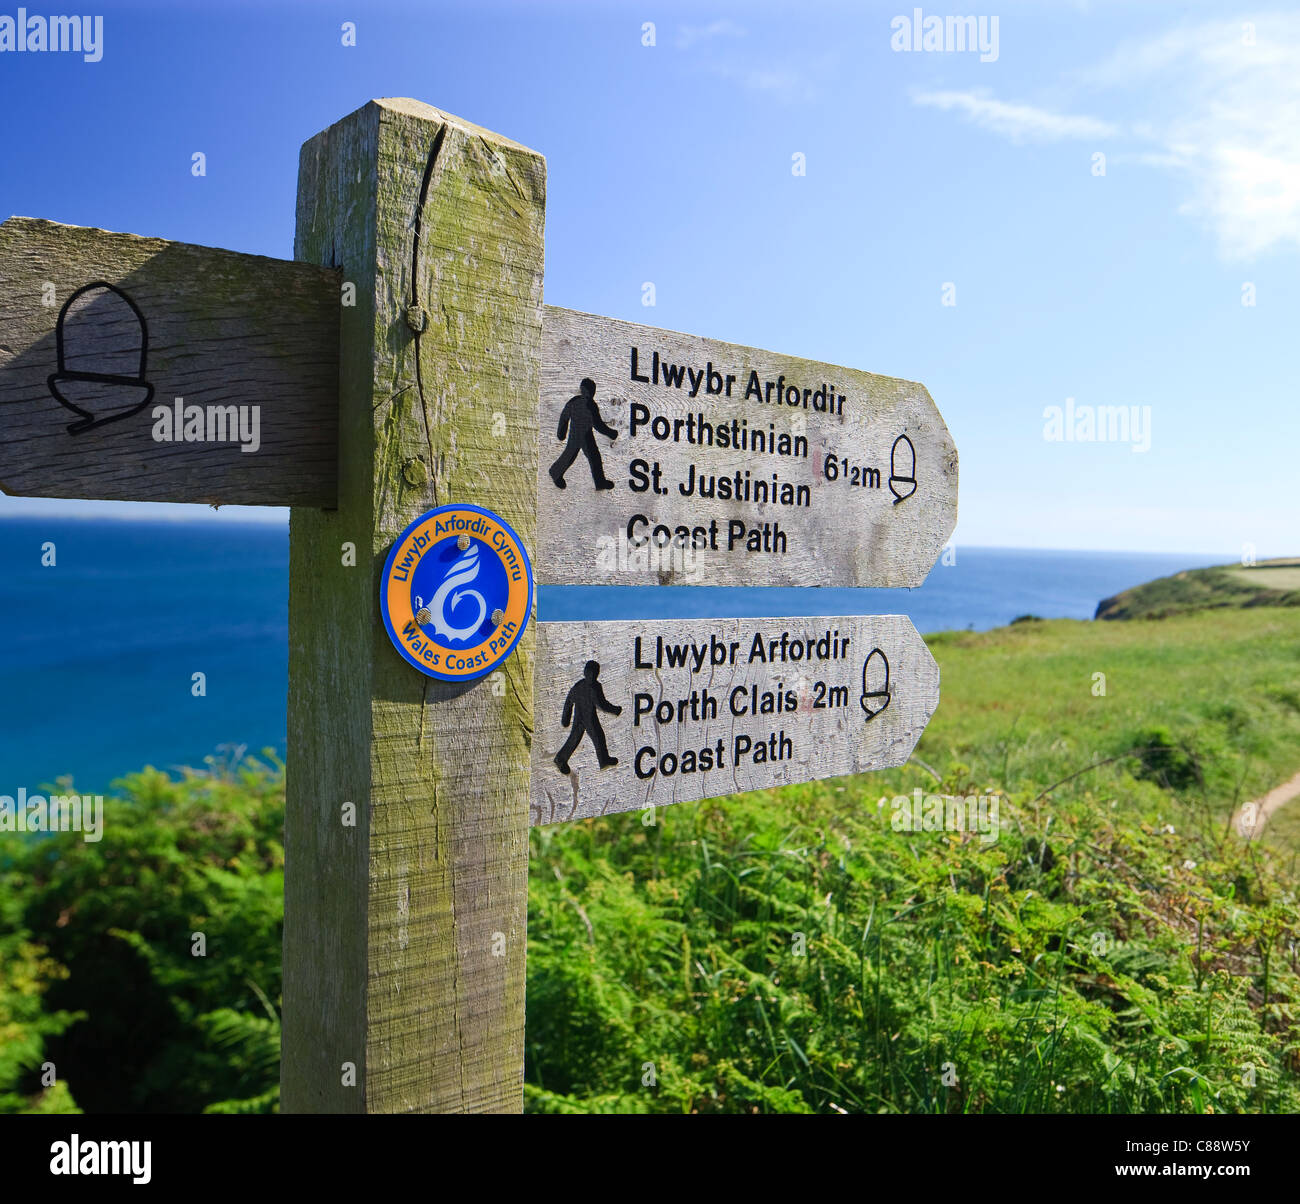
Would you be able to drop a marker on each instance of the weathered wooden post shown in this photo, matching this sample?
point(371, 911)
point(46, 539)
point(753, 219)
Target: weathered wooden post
point(405, 925)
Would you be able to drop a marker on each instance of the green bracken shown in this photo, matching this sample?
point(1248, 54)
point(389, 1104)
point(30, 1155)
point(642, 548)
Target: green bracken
point(1116, 948)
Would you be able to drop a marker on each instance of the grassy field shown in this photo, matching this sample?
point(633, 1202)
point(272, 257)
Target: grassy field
point(1103, 944)
point(1021, 705)
point(1277, 576)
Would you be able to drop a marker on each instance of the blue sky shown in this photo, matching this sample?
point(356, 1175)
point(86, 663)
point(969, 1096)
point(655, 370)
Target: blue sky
point(672, 164)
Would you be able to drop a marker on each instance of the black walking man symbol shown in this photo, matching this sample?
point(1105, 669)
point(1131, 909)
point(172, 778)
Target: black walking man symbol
point(580, 706)
point(579, 422)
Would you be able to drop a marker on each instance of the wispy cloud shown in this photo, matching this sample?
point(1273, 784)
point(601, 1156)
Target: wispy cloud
point(777, 78)
point(1218, 103)
point(1019, 122)
point(689, 35)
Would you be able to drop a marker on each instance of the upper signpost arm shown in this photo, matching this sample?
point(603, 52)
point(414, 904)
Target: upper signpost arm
point(144, 370)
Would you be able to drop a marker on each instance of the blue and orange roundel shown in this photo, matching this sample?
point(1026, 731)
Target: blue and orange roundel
point(456, 592)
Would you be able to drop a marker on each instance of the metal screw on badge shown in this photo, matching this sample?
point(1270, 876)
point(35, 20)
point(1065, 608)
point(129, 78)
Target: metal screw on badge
point(462, 542)
point(497, 616)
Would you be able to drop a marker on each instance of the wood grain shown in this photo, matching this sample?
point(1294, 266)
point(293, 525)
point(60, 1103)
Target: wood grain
point(217, 329)
point(405, 937)
point(848, 533)
point(819, 695)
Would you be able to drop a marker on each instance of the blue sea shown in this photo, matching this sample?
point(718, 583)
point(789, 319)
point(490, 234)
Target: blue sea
point(98, 652)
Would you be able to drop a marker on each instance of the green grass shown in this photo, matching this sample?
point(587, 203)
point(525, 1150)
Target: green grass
point(1283, 829)
point(1269, 576)
point(1020, 705)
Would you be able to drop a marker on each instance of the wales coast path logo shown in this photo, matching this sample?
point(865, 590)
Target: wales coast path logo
point(457, 592)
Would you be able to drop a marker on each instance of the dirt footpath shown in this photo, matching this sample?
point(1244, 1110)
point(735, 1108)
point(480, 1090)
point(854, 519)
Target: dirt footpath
point(1250, 818)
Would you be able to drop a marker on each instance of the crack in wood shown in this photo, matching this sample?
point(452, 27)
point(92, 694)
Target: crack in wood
point(434, 152)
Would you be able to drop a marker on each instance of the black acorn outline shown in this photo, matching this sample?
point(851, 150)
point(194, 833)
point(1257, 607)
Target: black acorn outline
point(88, 420)
point(885, 694)
point(893, 475)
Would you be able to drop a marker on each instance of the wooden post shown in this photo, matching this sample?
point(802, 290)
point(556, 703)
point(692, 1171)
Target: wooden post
point(404, 939)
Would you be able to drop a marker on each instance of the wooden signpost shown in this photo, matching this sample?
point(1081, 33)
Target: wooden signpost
point(406, 369)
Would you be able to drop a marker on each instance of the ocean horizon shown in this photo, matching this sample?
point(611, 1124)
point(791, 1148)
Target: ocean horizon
point(99, 650)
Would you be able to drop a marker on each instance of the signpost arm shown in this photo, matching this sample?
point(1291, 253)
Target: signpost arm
point(404, 945)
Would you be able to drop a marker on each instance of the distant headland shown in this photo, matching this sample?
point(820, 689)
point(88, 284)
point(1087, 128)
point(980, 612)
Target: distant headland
point(1268, 583)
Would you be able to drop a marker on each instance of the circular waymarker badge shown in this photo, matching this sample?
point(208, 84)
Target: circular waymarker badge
point(457, 592)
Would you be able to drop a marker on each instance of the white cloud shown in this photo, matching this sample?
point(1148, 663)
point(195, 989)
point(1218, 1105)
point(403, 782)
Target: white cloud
point(1218, 103)
point(1019, 122)
point(1226, 101)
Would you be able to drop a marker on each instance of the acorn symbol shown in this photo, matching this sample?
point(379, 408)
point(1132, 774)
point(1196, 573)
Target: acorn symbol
point(103, 347)
point(902, 469)
point(875, 684)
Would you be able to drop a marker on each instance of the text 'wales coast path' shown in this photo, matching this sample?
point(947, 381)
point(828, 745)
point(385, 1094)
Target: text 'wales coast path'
point(673, 459)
